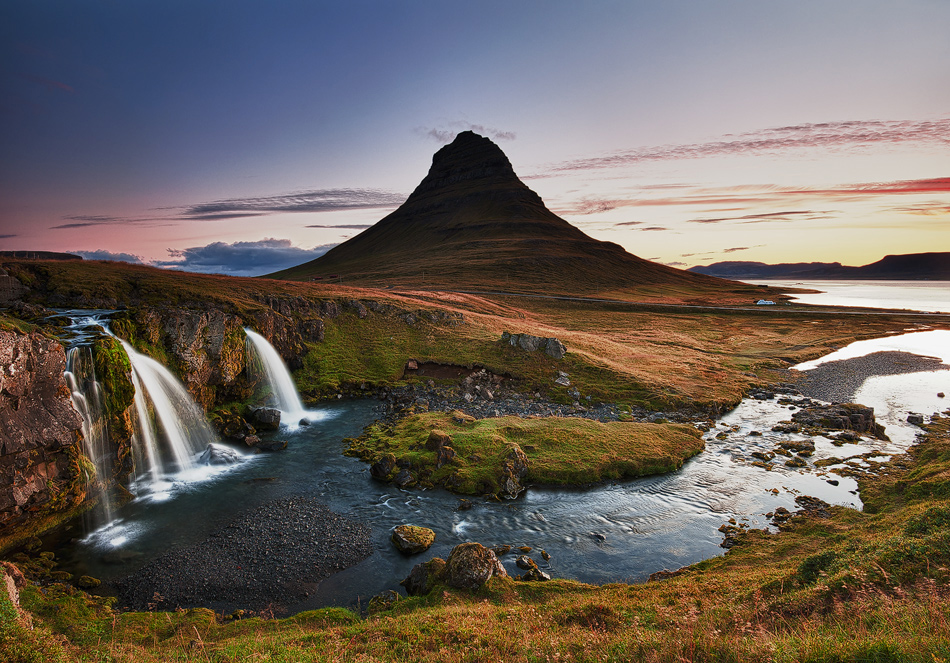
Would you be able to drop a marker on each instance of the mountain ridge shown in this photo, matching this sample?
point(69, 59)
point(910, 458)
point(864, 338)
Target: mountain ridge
point(933, 266)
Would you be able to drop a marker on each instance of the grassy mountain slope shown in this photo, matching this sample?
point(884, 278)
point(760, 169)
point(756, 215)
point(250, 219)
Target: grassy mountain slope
point(471, 224)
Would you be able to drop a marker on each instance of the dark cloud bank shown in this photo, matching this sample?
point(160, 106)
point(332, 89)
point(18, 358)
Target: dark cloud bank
point(237, 259)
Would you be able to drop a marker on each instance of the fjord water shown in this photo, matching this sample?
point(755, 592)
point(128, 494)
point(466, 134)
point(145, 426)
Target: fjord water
point(931, 296)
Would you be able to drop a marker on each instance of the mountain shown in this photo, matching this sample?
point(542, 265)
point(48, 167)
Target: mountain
point(472, 224)
point(911, 266)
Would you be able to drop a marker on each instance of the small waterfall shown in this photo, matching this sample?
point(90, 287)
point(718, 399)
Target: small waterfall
point(284, 391)
point(87, 398)
point(183, 423)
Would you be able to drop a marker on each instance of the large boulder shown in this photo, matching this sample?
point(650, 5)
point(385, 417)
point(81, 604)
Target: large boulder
point(267, 418)
point(218, 455)
point(513, 469)
point(471, 565)
point(412, 539)
point(424, 576)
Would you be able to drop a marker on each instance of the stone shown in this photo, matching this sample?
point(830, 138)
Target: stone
point(382, 468)
point(443, 456)
point(500, 550)
point(562, 379)
point(218, 455)
point(555, 349)
point(916, 419)
point(88, 582)
point(525, 562)
point(471, 565)
point(412, 539)
point(267, 417)
point(437, 439)
point(534, 575)
point(252, 440)
point(423, 577)
point(412, 365)
point(404, 478)
point(383, 601)
point(796, 461)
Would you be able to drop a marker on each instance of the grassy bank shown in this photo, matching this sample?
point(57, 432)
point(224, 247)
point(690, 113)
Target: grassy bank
point(854, 586)
point(551, 450)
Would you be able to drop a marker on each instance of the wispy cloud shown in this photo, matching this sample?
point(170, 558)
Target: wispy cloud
point(925, 209)
point(354, 226)
point(837, 135)
point(86, 220)
point(322, 200)
point(447, 132)
point(654, 228)
point(242, 258)
point(7, 236)
point(769, 217)
point(740, 197)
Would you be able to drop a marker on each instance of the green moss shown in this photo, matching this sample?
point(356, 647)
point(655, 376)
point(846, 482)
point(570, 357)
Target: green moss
point(559, 451)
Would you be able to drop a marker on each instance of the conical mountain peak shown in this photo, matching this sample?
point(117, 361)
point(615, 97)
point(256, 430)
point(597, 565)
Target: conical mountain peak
point(469, 158)
point(471, 223)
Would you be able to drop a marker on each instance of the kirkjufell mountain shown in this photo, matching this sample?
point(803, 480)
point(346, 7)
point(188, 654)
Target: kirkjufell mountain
point(472, 224)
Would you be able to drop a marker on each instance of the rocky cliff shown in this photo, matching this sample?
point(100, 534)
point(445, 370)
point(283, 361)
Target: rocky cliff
point(41, 461)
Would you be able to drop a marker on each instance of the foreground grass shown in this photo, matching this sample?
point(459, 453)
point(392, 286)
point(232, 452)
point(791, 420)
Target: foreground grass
point(852, 587)
point(555, 450)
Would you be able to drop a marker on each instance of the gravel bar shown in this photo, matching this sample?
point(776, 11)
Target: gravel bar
point(266, 560)
point(839, 381)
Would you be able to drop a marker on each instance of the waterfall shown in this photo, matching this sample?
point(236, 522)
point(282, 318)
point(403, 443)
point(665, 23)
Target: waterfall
point(87, 398)
point(284, 391)
point(183, 423)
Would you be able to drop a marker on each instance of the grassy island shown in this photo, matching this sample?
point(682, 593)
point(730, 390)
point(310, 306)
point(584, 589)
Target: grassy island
point(475, 457)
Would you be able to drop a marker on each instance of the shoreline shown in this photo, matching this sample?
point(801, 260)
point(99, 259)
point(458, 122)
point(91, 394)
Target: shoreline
point(839, 381)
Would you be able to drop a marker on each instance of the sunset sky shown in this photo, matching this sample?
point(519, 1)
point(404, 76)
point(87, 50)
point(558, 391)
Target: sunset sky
point(243, 137)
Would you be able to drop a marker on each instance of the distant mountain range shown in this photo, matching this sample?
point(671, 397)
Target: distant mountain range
point(472, 224)
point(910, 266)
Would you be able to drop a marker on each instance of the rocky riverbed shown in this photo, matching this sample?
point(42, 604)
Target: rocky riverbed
point(267, 560)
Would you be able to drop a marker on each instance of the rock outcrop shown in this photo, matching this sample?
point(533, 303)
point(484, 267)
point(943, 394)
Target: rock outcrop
point(469, 566)
point(551, 346)
point(40, 431)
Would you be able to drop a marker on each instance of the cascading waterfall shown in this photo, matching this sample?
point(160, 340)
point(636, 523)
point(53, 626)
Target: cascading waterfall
point(183, 423)
point(284, 391)
point(170, 429)
point(87, 398)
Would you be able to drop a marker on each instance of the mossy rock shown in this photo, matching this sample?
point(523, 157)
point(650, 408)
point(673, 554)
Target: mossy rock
point(412, 539)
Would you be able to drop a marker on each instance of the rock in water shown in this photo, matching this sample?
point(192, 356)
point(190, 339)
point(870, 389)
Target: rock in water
point(267, 417)
point(412, 539)
point(471, 565)
point(216, 455)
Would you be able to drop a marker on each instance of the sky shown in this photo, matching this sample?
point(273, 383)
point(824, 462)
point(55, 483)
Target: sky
point(243, 137)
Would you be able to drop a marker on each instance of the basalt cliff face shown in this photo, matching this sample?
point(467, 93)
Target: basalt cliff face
point(40, 431)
